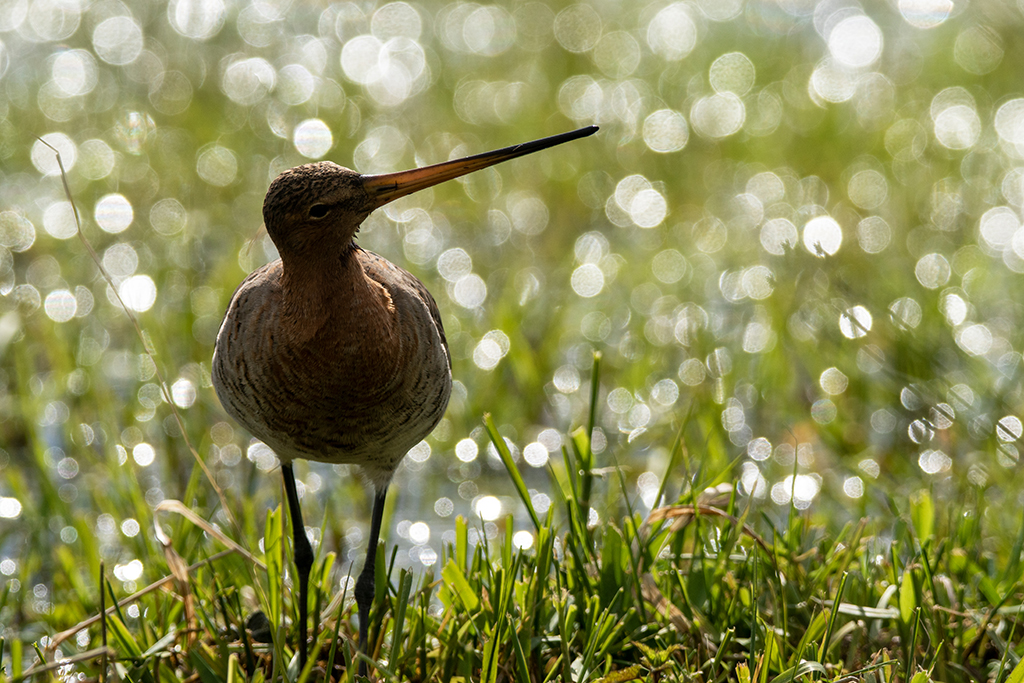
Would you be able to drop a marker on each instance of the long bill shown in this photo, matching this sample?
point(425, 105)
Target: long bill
point(388, 187)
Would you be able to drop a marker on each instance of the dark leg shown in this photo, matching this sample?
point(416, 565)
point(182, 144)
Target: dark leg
point(364, 584)
point(303, 556)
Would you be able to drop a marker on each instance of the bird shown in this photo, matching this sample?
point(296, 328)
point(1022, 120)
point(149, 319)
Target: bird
point(334, 354)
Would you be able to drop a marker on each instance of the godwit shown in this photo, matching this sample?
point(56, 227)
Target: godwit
point(332, 353)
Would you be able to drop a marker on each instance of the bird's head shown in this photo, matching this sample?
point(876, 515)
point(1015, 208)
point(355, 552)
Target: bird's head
point(315, 209)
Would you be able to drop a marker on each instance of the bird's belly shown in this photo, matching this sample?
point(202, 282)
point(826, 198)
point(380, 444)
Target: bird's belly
point(303, 404)
point(364, 425)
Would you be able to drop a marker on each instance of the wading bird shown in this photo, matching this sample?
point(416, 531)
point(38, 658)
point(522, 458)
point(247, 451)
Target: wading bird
point(332, 353)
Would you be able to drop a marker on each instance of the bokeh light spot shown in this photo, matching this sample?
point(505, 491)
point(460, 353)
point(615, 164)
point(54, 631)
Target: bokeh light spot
point(758, 282)
point(617, 54)
point(489, 30)
point(906, 312)
point(183, 393)
point(954, 308)
point(832, 82)
point(528, 212)
point(74, 72)
point(10, 508)
point(1009, 428)
point(853, 487)
point(296, 85)
point(491, 349)
point(932, 270)
point(168, 216)
point(17, 234)
point(587, 280)
point(60, 305)
point(313, 138)
point(96, 161)
point(720, 10)
point(669, 266)
point(932, 461)
point(454, 264)
point(358, 56)
point(856, 42)
point(466, 450)
point(196, 19)
point(665, 131)
point(535, 454)
point(59, 220)
point(778, 235)
point(833, 381)
point(120, 260)
point(488, 508)
point(113, 213)
point(648, 208)
point(824, 411)
point(822, 236)
point(419, 532)
point(855, 322)
point(1009, 122)
point(873, 234)
point(718, 116)
point(117, 40)
point(732, 72)
point(143, 454)
point(925, 13)
point(45, 160)
point(470, 291)
point(578, 27)
point(396, 19)
point(799, 490)
point(671, 34)
point(978, 50)
point(248, 81)
point(138, 293)
point(522, 540)
point(217, 165)
point(958, 127)
point(975, 339)
point(868, 189)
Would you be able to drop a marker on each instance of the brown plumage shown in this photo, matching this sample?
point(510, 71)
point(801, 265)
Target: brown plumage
point(332, 353)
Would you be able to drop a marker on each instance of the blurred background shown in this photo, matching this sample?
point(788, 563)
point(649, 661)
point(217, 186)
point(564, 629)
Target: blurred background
point(797, 236)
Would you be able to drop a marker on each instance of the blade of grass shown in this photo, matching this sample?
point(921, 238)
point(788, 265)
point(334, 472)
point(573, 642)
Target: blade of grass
point(678, 446)
point(595, 387)
point(912, 649)
point(800, 670)
point(511, 468)
point(401, 603)
point(337, 630)
point(103, 625)
point(1017, 675)
point(832, 619)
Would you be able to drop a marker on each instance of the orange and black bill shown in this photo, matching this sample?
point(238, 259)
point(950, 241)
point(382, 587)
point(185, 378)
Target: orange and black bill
point(388, 187)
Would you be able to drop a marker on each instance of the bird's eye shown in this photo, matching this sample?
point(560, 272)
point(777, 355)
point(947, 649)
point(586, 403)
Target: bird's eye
point(318, 210)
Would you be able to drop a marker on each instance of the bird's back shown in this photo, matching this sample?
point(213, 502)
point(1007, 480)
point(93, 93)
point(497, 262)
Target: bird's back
point(370, 382)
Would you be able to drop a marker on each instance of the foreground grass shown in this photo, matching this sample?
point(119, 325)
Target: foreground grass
point(715, 586)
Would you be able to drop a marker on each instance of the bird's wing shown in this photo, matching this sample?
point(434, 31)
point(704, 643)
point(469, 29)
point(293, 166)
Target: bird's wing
point(435, 314)
point(385, 272)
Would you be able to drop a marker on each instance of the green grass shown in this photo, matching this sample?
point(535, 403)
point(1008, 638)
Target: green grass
point(709, 587)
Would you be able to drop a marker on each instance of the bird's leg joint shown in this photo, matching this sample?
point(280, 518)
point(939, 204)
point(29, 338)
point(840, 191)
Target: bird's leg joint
point(303, 552)
point(365, 587)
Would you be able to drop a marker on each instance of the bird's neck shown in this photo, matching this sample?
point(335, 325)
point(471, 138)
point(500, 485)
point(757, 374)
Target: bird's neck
point(329, 295)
